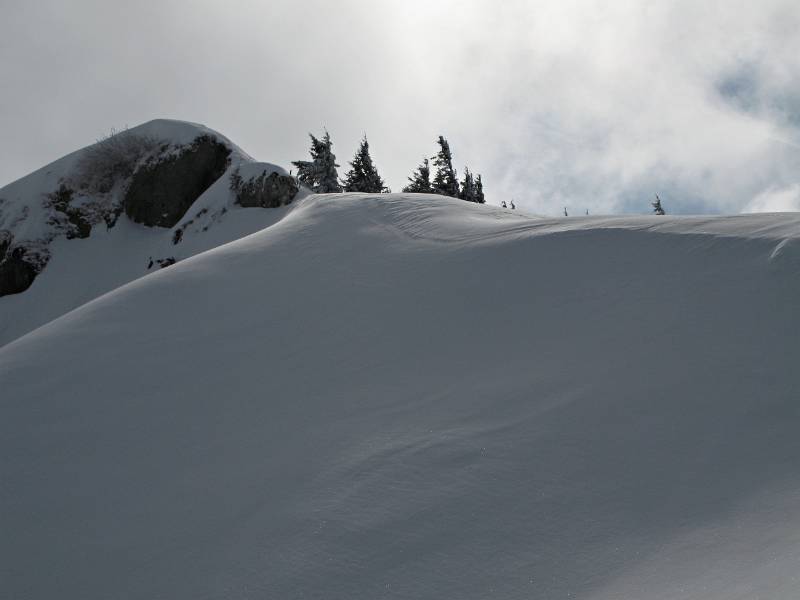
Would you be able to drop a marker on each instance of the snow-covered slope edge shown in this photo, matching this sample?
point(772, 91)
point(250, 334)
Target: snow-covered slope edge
point(418, 397)
point(118, 209)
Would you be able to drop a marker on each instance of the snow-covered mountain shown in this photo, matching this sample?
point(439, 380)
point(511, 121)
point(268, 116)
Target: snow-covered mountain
point(409, 396)
point(114, 211)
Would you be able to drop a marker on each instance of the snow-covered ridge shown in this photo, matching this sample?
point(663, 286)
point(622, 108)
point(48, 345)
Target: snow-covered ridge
point(414, 396)
point(84, 269)
point(70, 244)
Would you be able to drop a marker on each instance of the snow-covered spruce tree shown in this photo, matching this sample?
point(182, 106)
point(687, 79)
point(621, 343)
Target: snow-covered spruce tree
point(420, 180)
point(657, 208)
point(445, 182)
point(468, 191)
point(319, 173)
point(479, 197)
point(363, 176)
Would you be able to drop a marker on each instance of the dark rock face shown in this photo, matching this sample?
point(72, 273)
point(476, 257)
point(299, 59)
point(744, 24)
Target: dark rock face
point(16, 274)
point(161, 192)
point(266, 191)
point(81, 227)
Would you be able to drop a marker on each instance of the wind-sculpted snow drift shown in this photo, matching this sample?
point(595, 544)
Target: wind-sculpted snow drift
point(416, 397)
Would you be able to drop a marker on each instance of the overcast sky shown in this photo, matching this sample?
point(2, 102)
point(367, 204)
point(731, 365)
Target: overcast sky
point(589, 105)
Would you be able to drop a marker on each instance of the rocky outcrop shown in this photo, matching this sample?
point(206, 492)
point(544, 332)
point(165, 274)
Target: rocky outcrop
point(16, 271)
point(78, 225)
point(161, 191)
point(264, 190)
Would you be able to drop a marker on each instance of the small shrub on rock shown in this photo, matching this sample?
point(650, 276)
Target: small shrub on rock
point(113, 159)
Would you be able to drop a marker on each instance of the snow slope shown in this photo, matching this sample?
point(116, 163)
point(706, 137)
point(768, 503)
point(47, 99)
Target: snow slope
point(82, 270)
point(416, 397)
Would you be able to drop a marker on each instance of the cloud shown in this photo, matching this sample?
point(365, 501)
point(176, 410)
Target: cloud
point(775, 200)
point(588, 104)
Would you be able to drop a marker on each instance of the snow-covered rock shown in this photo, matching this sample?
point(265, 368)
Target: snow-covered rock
point(405, 396)
point(260, 185)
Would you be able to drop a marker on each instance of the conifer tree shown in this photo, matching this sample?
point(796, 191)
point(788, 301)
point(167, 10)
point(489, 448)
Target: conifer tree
point(420, 180)
point(363, 176)
point(657, 208)
point(445, 182)
point(319, 173)
point(468, 191)
point(479, 197)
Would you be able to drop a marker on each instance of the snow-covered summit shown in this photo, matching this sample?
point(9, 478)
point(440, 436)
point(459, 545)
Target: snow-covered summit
point(23, 211)
point(113, 211)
